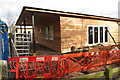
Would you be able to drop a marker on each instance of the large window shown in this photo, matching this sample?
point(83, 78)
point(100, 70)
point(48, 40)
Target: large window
point(49, 33)
point(97, 34)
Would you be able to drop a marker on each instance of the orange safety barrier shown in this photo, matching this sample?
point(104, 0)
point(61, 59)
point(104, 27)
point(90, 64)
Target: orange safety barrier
point(90, 60)
point(39, 66)
point(59, 66)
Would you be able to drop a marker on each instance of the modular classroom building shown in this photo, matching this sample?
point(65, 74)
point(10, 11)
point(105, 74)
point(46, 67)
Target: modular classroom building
point(60, 31)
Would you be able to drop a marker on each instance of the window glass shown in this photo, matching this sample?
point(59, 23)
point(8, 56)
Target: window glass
point(29, 36)
point(51, 32)
point(46, 33)
point(90, 32)
point(96, 34)
point(101, 34)
point(106, 34)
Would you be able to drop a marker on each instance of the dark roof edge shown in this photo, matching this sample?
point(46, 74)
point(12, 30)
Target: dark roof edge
point(89, 16)
point(69, 12)
point(20, 14)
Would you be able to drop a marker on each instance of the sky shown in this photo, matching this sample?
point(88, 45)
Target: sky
point(107, 8)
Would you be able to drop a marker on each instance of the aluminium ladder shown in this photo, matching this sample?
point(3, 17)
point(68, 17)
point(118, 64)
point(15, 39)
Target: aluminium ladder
point(22, 43)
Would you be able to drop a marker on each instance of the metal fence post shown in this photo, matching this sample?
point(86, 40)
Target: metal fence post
point(108, 73)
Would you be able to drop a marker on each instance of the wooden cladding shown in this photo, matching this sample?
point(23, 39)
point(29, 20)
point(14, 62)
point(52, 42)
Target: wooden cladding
point(74, 32)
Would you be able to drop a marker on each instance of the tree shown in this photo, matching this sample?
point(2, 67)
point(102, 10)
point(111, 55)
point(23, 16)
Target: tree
point(10, 22)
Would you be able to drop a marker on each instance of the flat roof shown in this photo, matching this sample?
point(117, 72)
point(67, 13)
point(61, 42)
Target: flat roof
point(27, 12)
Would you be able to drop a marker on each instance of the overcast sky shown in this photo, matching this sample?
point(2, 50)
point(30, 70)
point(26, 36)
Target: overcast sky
point(108, 8)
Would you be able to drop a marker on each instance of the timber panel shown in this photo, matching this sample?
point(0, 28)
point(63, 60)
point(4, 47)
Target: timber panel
point(74, 31)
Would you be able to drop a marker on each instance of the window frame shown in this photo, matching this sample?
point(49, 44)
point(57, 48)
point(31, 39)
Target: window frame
point(98, 34)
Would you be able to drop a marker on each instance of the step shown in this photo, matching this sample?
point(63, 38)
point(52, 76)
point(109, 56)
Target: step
point(22, 53)
point(21, 34)
point(22, 49)
point(23, 37)
point(23, 41)
point(21, 45)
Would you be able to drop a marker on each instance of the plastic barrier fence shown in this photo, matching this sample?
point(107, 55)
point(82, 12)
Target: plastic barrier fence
point(38, 66)
point(89, 61)
point(59, 66)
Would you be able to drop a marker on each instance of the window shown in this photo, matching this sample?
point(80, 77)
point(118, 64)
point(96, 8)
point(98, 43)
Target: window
point(101, 34)
point(46, 33)
point(49, 33)
point(97, 34)
point(90, 35)
point(106, 34)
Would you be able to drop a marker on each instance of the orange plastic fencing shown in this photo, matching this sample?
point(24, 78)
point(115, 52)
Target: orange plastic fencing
point(88, 61)
point(39, 66)
point(59, 66)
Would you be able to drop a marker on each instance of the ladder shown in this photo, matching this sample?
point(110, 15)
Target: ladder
point(22, 43)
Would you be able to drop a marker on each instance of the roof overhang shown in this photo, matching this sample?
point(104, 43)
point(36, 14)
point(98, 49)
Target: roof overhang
point(26, 15)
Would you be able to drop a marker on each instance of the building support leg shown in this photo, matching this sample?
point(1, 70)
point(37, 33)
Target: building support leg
point(33, 24)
